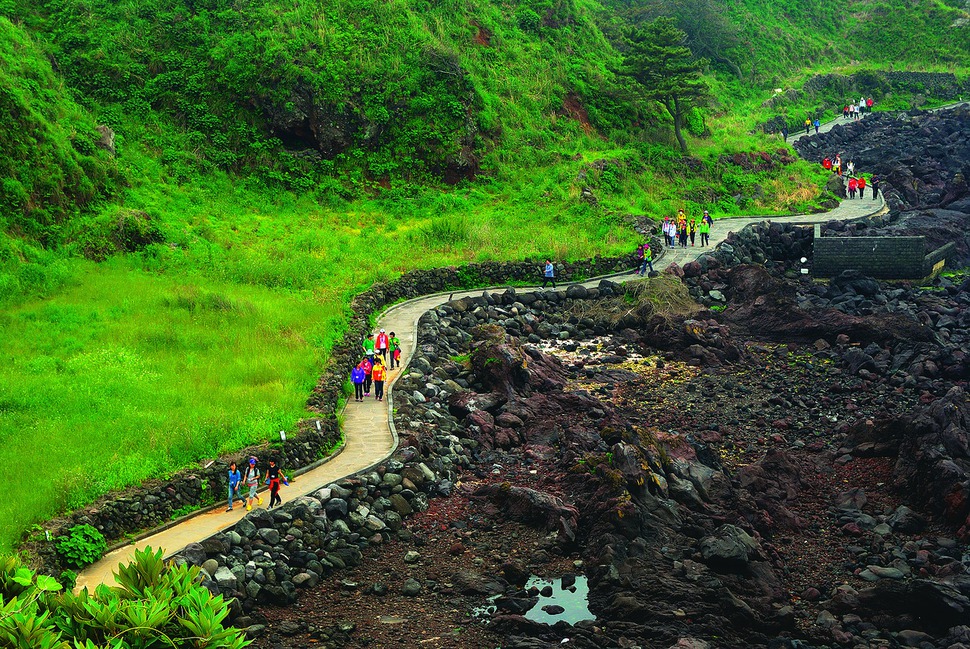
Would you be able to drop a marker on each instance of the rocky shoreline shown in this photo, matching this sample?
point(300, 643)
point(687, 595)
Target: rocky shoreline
point(788, 469)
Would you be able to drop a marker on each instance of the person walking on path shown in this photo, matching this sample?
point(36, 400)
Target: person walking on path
point(273, 477)
point(379, 373)
point(817, 124)
point(549, 274)
point(367, 365)
point(235, 481)
point(395, 350)
point(853, 186)
point(647, 259)
point(875, 186)
point(252, 481)
point(683, 234)
point(369, 347)
point(644, 259)
point(707, 217)
point(381, 344)
point(692, 231)
point(357, 377)
point(808, 125)
point(837, 165)
point(850, 168)
point(869, 105)
point(670, 231)
point(862, 186)
point(705, 230)
point(784, 130)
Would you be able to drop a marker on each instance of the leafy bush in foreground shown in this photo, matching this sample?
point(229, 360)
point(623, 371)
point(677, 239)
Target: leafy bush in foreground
point(153, 605)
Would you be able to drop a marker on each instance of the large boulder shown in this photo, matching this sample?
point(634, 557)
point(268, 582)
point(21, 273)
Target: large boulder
point(728, 548)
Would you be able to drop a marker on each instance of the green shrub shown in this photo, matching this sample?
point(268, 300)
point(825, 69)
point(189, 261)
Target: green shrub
point(528, 19)
point(82, 547)
point(68, 579)
point(154, 605)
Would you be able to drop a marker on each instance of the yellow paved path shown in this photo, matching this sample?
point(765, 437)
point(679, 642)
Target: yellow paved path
point(370, 437)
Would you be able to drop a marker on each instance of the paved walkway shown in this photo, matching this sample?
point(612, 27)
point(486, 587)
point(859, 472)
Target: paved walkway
point(847, 210)
point(368, 429)
point(825, 127)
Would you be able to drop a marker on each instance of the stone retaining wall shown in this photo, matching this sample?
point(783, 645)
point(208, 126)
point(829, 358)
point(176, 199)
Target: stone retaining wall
point(119, 515)
point(931, 261)
point(882, 257)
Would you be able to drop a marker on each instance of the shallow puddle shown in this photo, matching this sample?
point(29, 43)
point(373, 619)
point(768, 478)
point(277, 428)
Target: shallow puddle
point(574, 601)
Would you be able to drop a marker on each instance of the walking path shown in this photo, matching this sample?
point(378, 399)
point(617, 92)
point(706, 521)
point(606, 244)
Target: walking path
point(368, 427)
point(825, 127)
point(847, 210)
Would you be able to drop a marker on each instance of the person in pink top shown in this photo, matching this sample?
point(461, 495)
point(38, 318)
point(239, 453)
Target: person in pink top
point(853, 186)
point(367, 367)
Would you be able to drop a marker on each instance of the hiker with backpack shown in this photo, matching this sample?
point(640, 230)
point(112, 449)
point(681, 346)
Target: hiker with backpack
point(252, 481)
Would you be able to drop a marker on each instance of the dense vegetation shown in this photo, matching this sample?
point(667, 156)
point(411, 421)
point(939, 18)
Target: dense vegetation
point(153, 605)
point(190, 190)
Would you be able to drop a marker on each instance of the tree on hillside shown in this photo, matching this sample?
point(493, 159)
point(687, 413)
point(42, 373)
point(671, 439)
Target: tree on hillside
point(710, 32)
point(665, 70)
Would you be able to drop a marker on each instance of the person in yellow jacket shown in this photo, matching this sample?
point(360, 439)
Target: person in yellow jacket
point(378, 373)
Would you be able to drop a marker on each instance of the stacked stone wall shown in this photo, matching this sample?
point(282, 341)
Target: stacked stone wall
point(880, 257)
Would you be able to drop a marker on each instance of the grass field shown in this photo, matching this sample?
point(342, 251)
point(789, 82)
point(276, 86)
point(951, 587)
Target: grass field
point(141, 365)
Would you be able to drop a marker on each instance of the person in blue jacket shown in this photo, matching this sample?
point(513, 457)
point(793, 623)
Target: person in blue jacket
point(235, 478)
point(549, 274)
point(357, 377)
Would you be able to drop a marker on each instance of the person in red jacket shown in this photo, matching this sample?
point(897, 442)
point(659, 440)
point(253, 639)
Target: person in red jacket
point(827, 163)
point(853, 186)
point(862, 186)
point(381, 343)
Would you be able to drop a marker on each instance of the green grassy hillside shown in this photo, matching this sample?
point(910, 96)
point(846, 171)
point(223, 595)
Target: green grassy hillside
point(766, 42)
point(173, 292)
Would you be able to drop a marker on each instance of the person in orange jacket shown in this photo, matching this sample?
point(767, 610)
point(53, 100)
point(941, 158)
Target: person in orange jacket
point(379, 373)
point(862, 186)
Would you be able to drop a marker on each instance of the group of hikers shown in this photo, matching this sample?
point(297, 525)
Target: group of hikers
point(853, 110)
point(274, 477)
point(676, 231)
point(680, 230)
point(856, 183)
point(372, 370)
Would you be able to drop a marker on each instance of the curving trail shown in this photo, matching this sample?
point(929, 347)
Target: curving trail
point(368, 427)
